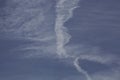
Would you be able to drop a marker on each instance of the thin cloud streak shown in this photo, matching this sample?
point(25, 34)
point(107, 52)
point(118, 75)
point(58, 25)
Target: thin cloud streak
point(76, 64)
point(64, 11)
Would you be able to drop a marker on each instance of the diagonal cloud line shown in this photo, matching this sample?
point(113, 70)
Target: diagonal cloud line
point(76, 64)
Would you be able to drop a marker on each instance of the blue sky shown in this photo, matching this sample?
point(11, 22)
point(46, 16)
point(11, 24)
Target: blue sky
point(59, 40)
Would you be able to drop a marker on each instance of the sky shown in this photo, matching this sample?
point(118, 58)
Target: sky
point(59, 40)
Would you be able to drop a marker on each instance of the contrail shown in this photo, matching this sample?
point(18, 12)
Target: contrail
point(76, 64)
point(64, 10)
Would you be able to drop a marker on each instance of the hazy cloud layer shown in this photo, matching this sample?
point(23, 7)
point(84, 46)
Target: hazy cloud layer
point(44, 39)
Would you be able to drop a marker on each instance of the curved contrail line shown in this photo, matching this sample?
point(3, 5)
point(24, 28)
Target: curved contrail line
point(79, 69)
point(64, 10)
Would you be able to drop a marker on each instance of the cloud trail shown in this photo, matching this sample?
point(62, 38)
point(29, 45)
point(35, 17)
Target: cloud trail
point(76, 64)
point(64, 11)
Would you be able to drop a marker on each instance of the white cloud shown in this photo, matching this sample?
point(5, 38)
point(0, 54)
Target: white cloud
point(64, 9)
point(107, 75)
point(79, 69)
point(91, 53)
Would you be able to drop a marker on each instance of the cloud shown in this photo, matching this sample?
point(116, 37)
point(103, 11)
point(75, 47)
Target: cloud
point(32, 20)
point(107, 75)
point(100, 76)
point(79, 68)
point(92, 53)
point(35, 50)
point(37, 25)
point(64, 10)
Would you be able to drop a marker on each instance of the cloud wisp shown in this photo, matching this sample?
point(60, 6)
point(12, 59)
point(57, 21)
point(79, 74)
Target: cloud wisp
point(64, 11)
point(76, 64)
point(29, 19)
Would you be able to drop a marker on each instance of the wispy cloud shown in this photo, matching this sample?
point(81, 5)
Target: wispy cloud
point(107, 75)
point(79, 68)
point(29, 20)
point(92, 53)
point(64, 12)
point(36, 25)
